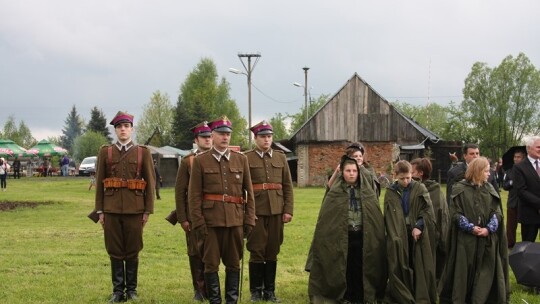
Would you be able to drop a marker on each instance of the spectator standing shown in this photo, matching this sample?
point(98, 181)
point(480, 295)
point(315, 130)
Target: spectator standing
point(16, 168)
point(410, 233)
point(203, 139)
point(527, 184)
point(221, 216)
point(477, 264)
point(513, 199)
point(273, 190)
point(124, 202)
point(4, 168)
point(347, 259)
point(64, 165)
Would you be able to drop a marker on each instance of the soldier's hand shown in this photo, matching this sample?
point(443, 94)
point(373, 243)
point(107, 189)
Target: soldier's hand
point(185, 226)
point(247, 230)
point(286, 218)
point(145, 218)
point(102, 219)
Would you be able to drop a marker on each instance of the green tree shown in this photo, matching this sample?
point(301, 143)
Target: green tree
point(98, 123)
point(73, 128)
point(279, 127)
point(88, 144)
point(156, 121)
point(298, 119)
point(432, 116)
point(21, 135)
point(502, 103)
point(203, 98)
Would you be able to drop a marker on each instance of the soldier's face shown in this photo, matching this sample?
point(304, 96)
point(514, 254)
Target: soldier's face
point(123, 131)
point(204, 142)
point(263, 142)
point(221, 140)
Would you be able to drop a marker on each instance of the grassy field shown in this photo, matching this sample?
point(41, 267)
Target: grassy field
point(54, 254)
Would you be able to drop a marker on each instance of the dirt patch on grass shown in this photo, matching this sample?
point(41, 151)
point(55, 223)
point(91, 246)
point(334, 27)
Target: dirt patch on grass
point(6, 206)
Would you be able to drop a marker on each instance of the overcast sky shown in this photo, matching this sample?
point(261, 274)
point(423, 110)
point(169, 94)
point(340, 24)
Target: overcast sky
point(115, 54)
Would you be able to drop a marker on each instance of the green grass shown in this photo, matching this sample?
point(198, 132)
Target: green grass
point(54, 254)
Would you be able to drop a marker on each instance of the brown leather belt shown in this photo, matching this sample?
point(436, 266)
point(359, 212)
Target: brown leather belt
point(267, 186)
point(223, 198)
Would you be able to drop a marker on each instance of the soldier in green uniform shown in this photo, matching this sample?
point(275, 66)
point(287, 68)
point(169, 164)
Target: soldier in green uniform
point(203, 140)
point(222, 210)
point(124, 201)
point(272, 186)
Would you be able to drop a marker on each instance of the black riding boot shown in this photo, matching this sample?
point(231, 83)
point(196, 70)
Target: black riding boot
point(213, 291)
point(117, 274)
point(270, 282)
point(232, 281)
point(132, 267)
point(197, 276)
point(256, 274)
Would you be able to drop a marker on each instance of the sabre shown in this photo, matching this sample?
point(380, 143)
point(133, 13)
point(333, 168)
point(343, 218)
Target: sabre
point(243, 252)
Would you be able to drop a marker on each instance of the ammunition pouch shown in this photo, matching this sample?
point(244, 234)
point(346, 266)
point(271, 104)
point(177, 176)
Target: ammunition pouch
point(131, 184)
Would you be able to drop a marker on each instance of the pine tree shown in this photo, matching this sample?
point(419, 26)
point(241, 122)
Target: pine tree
point(98, 123)
point(73, 128)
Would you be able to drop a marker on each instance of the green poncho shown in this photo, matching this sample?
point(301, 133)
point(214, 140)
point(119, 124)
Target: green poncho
point(406, 284)
point(476, 267)
point(327, 260)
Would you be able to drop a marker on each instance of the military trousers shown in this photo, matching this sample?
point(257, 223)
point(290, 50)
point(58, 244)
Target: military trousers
point(266, 238)
point(123, 235)
point(225, 244)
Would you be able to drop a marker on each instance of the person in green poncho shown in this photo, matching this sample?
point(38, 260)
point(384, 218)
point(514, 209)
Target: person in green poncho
point(347, 260)
point(421, 171)
point(410, 235)
point(477, 262)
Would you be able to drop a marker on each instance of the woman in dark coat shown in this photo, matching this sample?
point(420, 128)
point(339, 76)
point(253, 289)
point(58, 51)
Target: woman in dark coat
point(347, 260)
point(477, 262)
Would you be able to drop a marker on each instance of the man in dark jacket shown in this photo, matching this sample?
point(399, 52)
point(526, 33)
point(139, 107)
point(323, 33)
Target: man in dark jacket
point(527, 184)
point(457, 173)
point(513, 199)
point(124, 201)
point(273, 190)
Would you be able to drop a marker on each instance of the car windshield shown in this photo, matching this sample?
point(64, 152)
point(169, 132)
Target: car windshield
point(88, 161)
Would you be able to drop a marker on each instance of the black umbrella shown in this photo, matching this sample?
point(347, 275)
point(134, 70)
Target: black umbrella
point(508, 156)
point(525, 263)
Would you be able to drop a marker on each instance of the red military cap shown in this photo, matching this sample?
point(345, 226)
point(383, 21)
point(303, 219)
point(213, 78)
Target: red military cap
point(201, 129)
point(262, 128)
point(122, 117)
point(221, 125)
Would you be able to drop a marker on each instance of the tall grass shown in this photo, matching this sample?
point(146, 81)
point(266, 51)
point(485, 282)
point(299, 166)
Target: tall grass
point(54, 254)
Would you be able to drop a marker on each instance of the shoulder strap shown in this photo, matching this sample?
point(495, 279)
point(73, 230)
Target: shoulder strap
point(109, 160)
point(139, 161)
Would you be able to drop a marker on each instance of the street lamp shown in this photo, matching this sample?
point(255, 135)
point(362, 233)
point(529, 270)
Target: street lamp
point(249, 68)
point(296, 84)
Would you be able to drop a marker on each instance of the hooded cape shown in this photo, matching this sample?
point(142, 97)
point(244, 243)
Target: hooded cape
point(327, 260)
point(477, 267)
point(406, 284)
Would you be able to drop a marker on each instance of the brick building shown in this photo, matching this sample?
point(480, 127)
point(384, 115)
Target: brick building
point(357, 113)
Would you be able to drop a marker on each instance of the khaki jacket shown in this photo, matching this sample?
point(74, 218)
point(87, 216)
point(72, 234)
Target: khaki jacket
point(230, 177)
point(271, 170)
point(123, 200)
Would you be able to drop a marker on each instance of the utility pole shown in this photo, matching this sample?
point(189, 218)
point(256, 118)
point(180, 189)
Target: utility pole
point(249, 69)
point(306, 93)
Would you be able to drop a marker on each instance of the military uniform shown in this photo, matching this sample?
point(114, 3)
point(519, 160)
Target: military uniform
point(219, 211)
point(273, 190)
point(182, 213)
point(124, 207)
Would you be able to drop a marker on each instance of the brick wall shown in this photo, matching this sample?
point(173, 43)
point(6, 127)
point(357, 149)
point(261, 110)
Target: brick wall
point(324, 158)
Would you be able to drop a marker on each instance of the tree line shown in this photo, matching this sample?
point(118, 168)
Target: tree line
point(497, 111)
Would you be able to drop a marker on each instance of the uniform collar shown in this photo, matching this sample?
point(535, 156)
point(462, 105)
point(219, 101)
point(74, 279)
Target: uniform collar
point(218, 155)
point(126, 146)
point(261, 153)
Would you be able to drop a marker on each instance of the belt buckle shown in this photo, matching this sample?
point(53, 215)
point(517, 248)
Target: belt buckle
point(223, 198)
point(264, 186)
point(355, 228)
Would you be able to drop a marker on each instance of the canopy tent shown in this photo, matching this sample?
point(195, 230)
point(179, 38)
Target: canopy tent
point(9, 149)
point(46, 149)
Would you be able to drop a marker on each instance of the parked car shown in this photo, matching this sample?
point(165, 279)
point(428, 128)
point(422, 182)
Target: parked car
point(88, 166)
